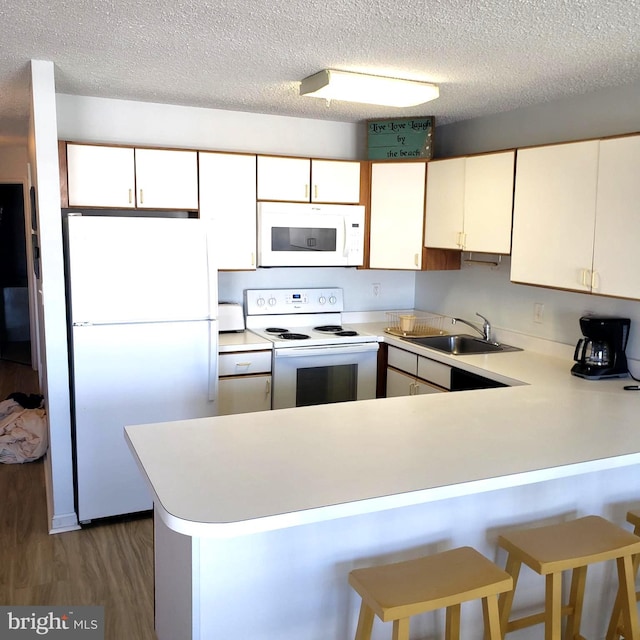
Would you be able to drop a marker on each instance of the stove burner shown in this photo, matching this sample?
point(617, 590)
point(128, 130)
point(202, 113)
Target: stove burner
point(346, 333)
point(276, 330)
point(328, 328)
point(293, 336)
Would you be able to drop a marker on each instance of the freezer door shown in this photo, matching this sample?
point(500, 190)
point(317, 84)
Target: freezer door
point(140, 269)
point(134, 374)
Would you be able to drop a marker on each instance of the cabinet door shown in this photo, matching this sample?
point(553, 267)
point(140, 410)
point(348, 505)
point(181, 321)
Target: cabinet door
point(397, 215)
point(616, 259)
point(335, 181)
point(244, 394)
point(166, 179)
point(488, 202)
point(399, 384)
point(554, 215)
point(228, 198)
point(444, 216)
point(285, 179)
point(100, 176)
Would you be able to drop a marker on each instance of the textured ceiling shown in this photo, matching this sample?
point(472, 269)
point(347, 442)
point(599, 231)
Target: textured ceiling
point(486, 55)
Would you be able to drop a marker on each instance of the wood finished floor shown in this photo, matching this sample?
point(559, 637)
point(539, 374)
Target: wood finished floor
point(106, 564)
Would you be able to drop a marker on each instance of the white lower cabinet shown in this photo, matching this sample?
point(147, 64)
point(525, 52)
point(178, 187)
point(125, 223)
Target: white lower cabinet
point(409, 374)
point(244, 383)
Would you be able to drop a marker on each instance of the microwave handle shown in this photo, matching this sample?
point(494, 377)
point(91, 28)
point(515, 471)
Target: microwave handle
point(347, 239)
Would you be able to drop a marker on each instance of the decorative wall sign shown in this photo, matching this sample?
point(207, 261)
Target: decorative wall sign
point(400, 138)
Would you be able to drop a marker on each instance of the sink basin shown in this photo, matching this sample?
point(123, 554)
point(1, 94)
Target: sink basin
point(461, 345)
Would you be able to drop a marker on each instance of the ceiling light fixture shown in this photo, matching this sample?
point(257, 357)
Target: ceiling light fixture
point(358, 87)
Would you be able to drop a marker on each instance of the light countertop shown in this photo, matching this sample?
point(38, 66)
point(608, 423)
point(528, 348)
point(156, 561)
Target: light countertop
point(241, 474)
point(242, 341)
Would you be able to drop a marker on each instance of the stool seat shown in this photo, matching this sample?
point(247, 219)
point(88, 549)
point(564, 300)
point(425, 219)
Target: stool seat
point(572, 545)
point(568, 545)
point(401, 590)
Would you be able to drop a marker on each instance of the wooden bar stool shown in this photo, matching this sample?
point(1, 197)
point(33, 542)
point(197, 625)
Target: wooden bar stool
point(573, 545)
point(616, 628)
point(443, 580)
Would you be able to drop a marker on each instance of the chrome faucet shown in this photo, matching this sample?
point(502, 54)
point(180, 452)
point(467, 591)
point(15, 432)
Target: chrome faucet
point(485, 332)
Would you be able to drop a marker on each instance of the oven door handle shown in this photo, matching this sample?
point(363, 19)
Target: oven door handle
point(325, 350)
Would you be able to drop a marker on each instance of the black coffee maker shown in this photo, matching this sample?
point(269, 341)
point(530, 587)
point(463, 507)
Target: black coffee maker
point(601, 353)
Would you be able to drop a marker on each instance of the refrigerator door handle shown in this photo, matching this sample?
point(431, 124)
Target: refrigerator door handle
point(213, 361)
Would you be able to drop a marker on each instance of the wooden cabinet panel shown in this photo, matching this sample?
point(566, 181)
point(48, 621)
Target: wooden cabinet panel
point(244, 394)
point(228, 198)
point(488, 202)
point(616, 258)
point(244, 362)
point(286, 179)
point(444, 222)
point(166, 179)
point(554, 215)
point(397, 215)
point(127, 178)
point(470, 202)
point(335, 181)
point(100, 176)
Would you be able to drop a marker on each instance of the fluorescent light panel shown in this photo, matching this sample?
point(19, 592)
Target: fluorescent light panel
point(357, 87)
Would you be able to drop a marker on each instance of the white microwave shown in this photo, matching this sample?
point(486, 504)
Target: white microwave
point(310, 235)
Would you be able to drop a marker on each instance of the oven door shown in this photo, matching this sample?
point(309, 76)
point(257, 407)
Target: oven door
point(305, 376)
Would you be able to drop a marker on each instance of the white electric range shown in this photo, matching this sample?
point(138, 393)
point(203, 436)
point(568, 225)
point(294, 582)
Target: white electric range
point(316, 360)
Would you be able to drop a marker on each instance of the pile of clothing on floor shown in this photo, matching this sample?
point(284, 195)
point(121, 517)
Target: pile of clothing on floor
point(23, 428)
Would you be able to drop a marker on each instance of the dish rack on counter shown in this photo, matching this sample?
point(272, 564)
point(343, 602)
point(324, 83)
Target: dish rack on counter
point(414, 324)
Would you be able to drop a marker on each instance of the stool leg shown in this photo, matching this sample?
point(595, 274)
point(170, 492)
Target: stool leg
point(401, 629)
point(365, 623)
point(576, 601)
point(626, 576)
point(506, 599)
point(553, 606)
point(491, 618)
point(615, 624)
point(452, 626)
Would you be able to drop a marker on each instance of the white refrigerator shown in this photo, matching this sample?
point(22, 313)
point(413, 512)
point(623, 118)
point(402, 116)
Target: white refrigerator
point(144, 344)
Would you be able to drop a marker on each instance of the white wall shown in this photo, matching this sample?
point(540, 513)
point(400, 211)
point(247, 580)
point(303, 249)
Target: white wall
point(84, 119)
point(601, 113)
point(396, 287)
point(54, 374)
point(490, 292)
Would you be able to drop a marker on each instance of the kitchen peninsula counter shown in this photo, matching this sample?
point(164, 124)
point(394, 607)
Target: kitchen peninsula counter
point(371, 479)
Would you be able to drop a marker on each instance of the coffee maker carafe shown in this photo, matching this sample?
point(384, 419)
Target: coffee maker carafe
point(601, 352)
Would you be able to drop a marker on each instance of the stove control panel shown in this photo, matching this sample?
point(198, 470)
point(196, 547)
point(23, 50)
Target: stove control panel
point(282, 301)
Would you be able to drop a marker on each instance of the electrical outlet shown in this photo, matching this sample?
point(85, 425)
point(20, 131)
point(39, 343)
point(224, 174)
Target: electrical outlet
point(376, 289)
point(538, 312)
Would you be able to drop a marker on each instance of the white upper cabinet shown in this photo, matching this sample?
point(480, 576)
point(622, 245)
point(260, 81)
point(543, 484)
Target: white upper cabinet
point(101, 176)
point(445, 203)
point(166, 179)
point(616, 259)
point(335, 181)
point(470, 202)
point(397, 215)
point(554, 215)
point(127, 178)
point(287, 179)
point(306, 180)
point(228, 198)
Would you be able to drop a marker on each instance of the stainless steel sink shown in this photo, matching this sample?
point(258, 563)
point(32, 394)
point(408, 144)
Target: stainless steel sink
point(461, 345)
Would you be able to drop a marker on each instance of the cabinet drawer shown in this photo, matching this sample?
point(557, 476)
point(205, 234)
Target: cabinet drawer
point(435, 372)
point(403, 360)
point(244, 363)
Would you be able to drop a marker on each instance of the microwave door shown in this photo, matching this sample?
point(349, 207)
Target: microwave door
point(313, 239)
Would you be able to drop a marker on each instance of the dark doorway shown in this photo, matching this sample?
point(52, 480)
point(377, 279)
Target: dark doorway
point(15, 339)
